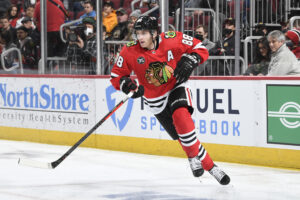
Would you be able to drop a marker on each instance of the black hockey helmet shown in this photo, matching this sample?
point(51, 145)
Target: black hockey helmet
point(146, 23)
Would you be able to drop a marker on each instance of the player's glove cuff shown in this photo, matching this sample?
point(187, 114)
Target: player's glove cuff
point(185, 67)
point(127, 85)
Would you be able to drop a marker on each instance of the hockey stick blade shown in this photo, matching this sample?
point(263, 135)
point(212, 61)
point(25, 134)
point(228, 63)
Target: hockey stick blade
point(54, 164)
point(34, 163)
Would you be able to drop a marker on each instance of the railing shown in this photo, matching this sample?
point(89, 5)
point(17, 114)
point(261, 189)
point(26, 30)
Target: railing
point(248, 40)
point(215, 66)
point(295, 22)
point(134, 2)
point(220, 66)
point(61, 28)
point(197, 16)
point(8, 51)
point(63, 65)
point(150, 11)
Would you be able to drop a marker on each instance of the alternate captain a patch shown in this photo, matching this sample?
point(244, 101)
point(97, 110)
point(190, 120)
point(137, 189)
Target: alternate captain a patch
point(141, 60)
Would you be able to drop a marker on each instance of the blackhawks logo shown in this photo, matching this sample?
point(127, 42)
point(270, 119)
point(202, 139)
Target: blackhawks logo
point(158, 73)
point(170, 34)
point(131, 43)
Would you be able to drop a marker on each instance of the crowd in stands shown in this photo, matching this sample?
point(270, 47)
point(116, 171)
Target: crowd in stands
point(20, 27)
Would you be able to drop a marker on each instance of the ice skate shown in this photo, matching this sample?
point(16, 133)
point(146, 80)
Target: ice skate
point(196, 166)
point(220, 175)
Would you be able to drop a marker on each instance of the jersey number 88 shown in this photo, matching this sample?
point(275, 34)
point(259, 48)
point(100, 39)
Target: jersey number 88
point(188, 40)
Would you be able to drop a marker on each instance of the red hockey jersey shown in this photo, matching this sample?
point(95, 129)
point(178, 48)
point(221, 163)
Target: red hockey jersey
point(135, 58)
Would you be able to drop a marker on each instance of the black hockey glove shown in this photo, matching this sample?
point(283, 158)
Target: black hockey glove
point(185, 67)
point(127, 85)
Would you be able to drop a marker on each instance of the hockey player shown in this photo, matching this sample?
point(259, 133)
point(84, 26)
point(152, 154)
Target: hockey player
point(163, 64)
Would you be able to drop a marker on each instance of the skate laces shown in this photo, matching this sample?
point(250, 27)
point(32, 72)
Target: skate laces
point(195, 163)
point(217, 173)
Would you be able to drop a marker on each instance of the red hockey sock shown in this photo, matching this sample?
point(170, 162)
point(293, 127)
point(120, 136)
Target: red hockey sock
point(206, 161)
point(186, 131)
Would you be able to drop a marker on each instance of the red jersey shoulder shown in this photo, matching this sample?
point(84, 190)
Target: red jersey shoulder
point(130, 48)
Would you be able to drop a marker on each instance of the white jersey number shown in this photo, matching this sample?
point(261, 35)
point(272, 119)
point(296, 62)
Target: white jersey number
point(120, 61)
point(187, 40)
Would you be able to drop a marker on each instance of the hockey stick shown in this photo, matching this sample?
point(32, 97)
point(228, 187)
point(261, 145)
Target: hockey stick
point(52, 165)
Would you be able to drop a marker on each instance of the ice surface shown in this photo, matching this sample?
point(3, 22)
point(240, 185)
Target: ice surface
point(89, 174)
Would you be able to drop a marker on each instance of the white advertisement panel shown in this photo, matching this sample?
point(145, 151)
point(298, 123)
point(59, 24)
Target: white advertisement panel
point(223, 113)
point(62, 104)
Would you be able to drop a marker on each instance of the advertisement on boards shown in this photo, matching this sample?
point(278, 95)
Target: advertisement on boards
point(283, 114)
point(51, 104)
point(222, 114)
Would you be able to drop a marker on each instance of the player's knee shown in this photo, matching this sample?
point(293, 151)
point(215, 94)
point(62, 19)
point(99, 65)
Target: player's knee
point(180, 114)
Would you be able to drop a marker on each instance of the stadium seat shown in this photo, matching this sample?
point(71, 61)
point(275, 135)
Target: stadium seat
point(127, 4)
point(172, 20)
point(188, 23)
point(201, 19)
point(231, 6)
point(144, 9)
point(116, 4)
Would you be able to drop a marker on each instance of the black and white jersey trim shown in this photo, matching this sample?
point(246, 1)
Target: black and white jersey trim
point(156, 105)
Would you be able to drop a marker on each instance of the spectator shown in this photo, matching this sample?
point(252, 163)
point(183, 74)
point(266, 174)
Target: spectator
point(152, 4)
point(5, 26)
point(260, 30)
point(76, 6)
point(28, 50)
point(120, 31)
point(55, 18)
point(109, 17)
point(4, 6)
point(83, 52)
point(132, 18)
point(201, 33)
point(28, 23)
point(294, 37)
point(284, 25)
point(13, 15)
point(226, 46)
point(11, 59)
point(260, 65)
point(29, 14)
point(283, 61)
point(88, 10)
point(32, 31)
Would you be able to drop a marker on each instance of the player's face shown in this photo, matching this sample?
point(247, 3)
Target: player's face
point(145, 39)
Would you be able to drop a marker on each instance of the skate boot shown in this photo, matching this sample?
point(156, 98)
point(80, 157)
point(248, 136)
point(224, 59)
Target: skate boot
point(220, 175)
point(196, 166)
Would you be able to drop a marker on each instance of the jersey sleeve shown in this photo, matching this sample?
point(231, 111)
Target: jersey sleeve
point(121, 68)
point(192, 45)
